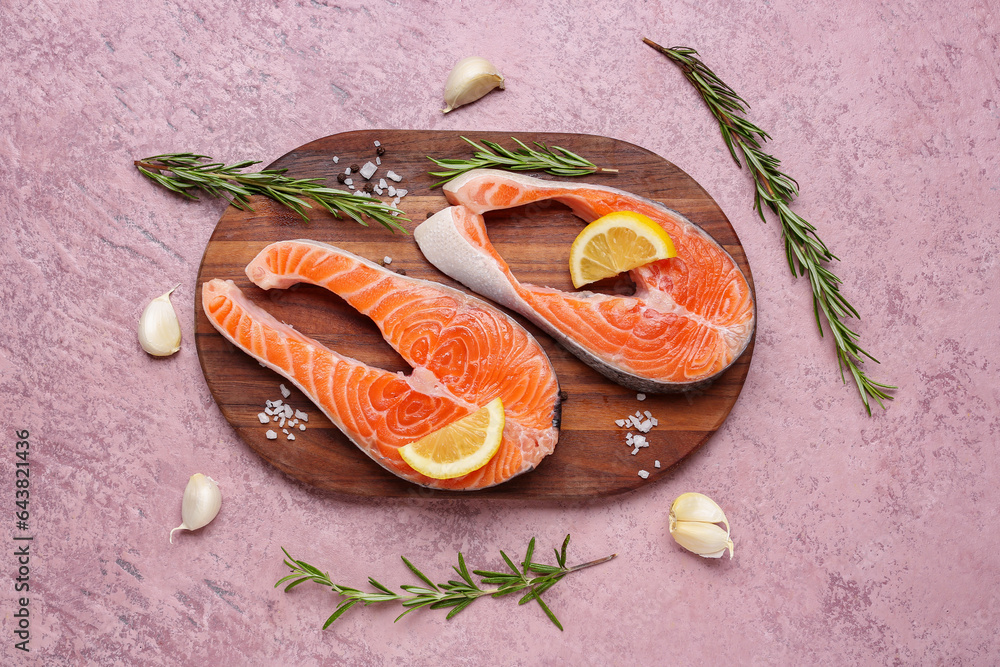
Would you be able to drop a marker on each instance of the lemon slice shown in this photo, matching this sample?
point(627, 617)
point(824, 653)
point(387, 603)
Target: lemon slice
point(460, 447)
point(615, 243)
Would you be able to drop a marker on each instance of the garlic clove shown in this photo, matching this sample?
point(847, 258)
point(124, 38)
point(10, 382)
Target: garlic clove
point(159, 328)
point(202, 500)
point(705, 539)
point(697, 507)
point(470, 79)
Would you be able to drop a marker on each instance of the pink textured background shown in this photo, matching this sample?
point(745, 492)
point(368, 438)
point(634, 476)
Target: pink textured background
point(859, 540)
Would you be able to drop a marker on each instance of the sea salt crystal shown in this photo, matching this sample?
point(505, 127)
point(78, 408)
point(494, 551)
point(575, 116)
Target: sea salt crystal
point(381, 183)
point(640, 397)
point(271, 435)
point(336, 159)
point(347, 172)
point(378, 160)
point(276, 403)
point(285, 391)
point(643, 474)
point(292, 423)
point(645, 426)
point(635, 451)
point(263, 418)
point(291, 436)
point(301, 415)
point(653, 420)
point(285, 431)
point(378, 190)
point(620, 422)
point(629, 437)
point(268, 411)
point(368, 170)
point(640, 441)
point(393, 175)
point(268, 403)
point(281, 422)
point(288, 412)
point(302, 427)
point(648, 414)
point(656, 463)
point(400, 192)
point(387, 260)
point(349, 182)
point(392, 191)
point(635, 421)
point(395, 201)
point(350, 187)
point(275, 418)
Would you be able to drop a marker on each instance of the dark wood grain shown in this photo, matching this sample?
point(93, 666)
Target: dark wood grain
point(591, 458)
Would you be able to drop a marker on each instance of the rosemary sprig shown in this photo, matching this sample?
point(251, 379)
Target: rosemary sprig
point(185, 173)
point(557, 161)
point(457, 594)
point(806, 253)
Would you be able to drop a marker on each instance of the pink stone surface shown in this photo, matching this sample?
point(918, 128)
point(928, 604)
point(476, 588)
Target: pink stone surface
point(859, 540)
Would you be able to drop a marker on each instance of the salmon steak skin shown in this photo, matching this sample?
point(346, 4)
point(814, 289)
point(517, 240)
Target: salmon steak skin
point(464, 352)
point(690, 318)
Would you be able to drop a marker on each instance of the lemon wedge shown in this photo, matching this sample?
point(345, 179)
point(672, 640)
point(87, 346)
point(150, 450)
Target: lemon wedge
point(460, 447)
point(614, 243)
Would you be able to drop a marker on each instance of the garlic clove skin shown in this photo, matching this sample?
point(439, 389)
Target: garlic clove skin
point(705, 539)
point(159, 328)
point(697, 507)
point(202, 500)
point(469, 80)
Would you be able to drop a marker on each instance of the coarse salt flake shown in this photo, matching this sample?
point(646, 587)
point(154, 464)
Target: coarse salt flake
point(368, 170)
point(620, 422)
point(387, 260)
point(378, 160)
point(271, 435)
point(263, 418)
point(285, 391)
point(349, 182)
point(393, 175)
point(377, 144)
point(640, 397)
point(656, 463)
point(285, 431)
point(291, 436)
point(301, 415)
point(392, 191)
point(643, 474)
point(347, 172)
point(400, 192)
point(378, 190)
point(288, 412)
point(653, 420)
point(302, 427)
point(336, 159)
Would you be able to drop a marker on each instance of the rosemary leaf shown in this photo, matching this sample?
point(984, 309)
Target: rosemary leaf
point(455, 595)
point(805, 252)
point(557, 161)
point(187, 173)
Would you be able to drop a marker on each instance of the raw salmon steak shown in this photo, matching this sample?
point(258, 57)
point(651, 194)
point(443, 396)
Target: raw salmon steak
point(464, 353)
point(689, 319)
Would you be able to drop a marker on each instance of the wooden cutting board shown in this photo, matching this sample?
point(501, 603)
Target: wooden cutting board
point(591, 458)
